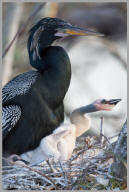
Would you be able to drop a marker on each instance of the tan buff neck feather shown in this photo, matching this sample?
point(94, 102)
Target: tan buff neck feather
point(81, 121)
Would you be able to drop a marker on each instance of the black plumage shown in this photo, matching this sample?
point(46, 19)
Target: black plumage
point(33, 101)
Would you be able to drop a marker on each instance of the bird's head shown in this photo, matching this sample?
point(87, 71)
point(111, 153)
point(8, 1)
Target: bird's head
point(106, 105)
point(47, 30)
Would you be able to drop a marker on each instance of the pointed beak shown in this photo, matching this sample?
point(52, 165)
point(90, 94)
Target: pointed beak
point(107, 105)
point(71, 30)
point(113, 101)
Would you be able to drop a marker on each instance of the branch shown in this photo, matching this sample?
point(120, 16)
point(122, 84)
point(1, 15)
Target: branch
point(23, 27)
point(32, 169)
point(101, 132)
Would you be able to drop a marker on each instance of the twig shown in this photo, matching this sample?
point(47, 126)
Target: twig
point(79, 153)
point(51, 167)
point(82, 151)
point(32, 169)
point(23, 27)
point(107, 139)
point(101, 131)
point(109, 176)
point(64, 173)
point(67, 175)
point(113, 136)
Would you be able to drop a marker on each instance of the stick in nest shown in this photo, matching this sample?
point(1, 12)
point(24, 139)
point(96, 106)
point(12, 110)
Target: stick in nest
point(37, 171)
point(101, 131)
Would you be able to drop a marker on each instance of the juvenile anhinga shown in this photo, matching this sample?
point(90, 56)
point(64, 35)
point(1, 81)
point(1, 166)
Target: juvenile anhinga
point(33, 101)
point(61, 143)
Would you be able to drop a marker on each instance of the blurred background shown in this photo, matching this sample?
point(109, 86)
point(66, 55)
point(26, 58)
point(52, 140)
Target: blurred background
point(99, 64)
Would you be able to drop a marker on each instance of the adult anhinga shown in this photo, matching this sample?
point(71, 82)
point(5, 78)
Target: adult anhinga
point(61, 143)
point(33, 101)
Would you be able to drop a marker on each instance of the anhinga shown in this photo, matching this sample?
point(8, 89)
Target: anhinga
point(33, 101)
point(61, 142)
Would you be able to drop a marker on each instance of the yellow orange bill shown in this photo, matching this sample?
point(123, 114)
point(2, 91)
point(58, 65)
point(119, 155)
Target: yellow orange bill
point(71, 30)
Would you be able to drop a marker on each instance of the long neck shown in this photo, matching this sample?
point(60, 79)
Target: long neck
point(53, 64)
point(38, 41)
point(57, 75)
point(82, 122)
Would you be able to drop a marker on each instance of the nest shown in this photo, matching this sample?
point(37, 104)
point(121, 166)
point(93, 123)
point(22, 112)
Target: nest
point(87, 169)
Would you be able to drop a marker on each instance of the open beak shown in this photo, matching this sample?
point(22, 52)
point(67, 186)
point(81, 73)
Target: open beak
point(107, 105)
point(113, 101)
point(71, 30)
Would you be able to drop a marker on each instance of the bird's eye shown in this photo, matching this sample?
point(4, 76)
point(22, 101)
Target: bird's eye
point(103, 101)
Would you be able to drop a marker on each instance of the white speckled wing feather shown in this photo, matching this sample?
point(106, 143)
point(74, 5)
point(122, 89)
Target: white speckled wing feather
point(10, 116)
point(20, 85)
